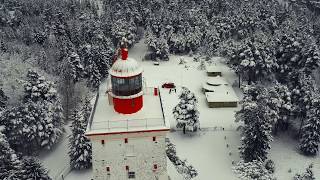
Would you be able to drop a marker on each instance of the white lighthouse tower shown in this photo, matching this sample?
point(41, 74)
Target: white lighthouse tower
point(127, 127)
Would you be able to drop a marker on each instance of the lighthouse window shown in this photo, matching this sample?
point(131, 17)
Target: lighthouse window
point(131, 175)
point(126, 86)
point(126, 140)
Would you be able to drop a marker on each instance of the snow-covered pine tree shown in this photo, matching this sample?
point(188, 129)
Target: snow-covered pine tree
point(256, 135)
point(32, 126)
point(37, 88)
point(280, 102)
point(302, 97)
point(38, 122)
point(10, 165)
point(32, 169)
point(3, 100)
point(186, 112)
point(310, 134)
point(75, 67)
point(308, 175)
point(311, 59)
point(80, 147)
point(86, 109)
point(96, 61)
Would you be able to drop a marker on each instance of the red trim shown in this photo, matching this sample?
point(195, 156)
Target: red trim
point(127, 132)
point(126, 77)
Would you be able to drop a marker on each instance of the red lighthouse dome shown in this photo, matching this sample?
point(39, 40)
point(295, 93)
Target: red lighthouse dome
point(126, 81)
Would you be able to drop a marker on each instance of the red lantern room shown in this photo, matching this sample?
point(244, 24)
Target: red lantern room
point(126, 81)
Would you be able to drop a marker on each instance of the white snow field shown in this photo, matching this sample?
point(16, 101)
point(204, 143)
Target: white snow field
point(212, 150)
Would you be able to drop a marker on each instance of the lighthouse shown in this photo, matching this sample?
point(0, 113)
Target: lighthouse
point(127, 127)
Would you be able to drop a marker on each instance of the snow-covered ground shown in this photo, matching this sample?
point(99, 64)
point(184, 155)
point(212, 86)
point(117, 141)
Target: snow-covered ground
point(212, 150)
point(57, 159)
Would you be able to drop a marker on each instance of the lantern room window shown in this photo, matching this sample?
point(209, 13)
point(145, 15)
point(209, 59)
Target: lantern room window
point(126, 86)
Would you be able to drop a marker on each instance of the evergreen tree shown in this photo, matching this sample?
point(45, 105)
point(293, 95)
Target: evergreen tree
point(3, 100)
point(80, 147)
point(186, 112)
point(280, 103)
point(310, 137)
point(96, 61)
point(10, 165)
point(38, 122)
point(37, 88)
point(32, 126)
point(33, 169)
point(75, 67)
point(86, 110)
point(256, 135)
point(311, 59)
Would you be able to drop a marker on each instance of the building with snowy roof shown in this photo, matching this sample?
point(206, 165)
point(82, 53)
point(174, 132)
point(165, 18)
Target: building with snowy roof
point(213, 71)
point(127, 126)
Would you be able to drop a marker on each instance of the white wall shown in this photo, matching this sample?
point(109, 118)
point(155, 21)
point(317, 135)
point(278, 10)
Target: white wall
point(140, 154)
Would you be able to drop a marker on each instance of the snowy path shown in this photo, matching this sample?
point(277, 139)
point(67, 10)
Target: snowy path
point(57, 159)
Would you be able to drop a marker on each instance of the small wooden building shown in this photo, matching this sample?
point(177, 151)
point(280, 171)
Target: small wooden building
point(221, 99)
point(213, 71)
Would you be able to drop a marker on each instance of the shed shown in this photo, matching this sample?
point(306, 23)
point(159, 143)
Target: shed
point(213, 71)
point(222, 99)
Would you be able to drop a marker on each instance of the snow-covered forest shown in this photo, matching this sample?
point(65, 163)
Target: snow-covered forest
point(55, 53)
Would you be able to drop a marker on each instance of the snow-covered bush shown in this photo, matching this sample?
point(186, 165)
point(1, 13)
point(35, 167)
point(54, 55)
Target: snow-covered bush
point(80, 146)
point(270, 166)
point(187, 171)
point(186, 112)
point(252, 170)
point(308, 175)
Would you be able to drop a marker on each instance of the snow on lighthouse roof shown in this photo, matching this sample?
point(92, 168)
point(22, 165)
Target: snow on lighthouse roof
point(125, 67)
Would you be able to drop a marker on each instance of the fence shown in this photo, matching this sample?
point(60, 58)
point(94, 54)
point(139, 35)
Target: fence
point(128, 124)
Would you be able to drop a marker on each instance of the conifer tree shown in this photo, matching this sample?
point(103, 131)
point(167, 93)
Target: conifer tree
point(3, 100)
point(256, 135)
point(310, 134)
point(10, 165)
point(80, 147)
point(32, 169)
point(186, 112)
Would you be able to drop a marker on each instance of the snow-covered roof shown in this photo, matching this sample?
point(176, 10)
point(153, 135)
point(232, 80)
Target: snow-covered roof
point(125, 68)
point(211, 69)
point(216, 81)
point(227, 96)
point(107, 120)
point(220, 88)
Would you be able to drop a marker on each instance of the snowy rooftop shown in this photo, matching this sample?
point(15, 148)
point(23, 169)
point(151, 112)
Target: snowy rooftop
point(227, 96)
point(220, 88)
point(105, 119)
point(213, 68)
point(125, 68)
point(215, 81)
